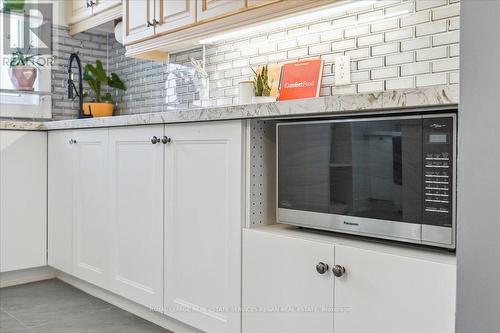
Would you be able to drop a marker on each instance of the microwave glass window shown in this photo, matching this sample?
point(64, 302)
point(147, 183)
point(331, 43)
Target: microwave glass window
point(368, 169)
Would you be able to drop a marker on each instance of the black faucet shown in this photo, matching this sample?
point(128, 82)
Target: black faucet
point(72, 88)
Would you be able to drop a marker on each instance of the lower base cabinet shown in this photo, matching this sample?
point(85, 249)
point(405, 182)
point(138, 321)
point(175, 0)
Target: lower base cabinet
point(154, 214)
point(23, 200)
point(379, 292)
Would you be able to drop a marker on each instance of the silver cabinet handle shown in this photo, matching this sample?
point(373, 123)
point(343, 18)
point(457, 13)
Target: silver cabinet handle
point(155, 140)
point(166, 140)
point(321, 268)
point(338, 270)
point(150, 24)
point(89, 4)
point(72, 141)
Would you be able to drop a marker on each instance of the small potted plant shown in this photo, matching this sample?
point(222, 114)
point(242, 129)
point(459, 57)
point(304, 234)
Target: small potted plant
point(96, 77)
point(23, 70)
point(262, 86)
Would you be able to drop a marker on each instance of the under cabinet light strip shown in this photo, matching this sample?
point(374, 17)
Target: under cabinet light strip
point(295, 20)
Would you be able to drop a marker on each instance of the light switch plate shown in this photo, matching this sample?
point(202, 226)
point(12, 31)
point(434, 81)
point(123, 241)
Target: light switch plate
point(342, 70)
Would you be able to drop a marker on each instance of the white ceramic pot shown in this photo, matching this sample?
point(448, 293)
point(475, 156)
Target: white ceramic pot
point(263, 99)
point(246, 92)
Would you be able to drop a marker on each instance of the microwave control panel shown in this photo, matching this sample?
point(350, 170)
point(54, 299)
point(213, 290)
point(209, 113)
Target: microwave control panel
point(438, 157)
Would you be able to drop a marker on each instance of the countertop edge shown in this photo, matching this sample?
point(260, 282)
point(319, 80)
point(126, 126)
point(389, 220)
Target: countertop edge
point(434, 96)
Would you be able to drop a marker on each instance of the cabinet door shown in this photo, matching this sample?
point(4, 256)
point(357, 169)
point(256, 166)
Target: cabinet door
point(23, 176)
point(210, 9)
point(282, 290)
point(174, 14)
point(258, 3)
point(203, 220)
point(136, 15)
point(61, 164)
point(103, 5)
point(79, 10)
point(91, 222)
point(386, 293)
point(136, 185)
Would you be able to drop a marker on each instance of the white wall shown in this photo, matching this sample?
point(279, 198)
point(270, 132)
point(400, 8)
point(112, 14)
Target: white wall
point(478, 251)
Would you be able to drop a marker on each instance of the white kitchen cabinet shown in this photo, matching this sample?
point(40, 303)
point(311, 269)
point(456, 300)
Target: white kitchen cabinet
point(388, 293)
point(23, 199)
point(79, 10)
point(210, 9)
point(384, 289)
point(283, 292)
point(61, 157)
point(203, 220)
point(91, 196)
point(138, 19)
point(78, 204)
point(103, 5)
point(173, 15)
point(136, 214)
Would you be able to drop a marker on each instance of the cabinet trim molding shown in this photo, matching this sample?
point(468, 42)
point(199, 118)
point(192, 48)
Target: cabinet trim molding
point(96, 20)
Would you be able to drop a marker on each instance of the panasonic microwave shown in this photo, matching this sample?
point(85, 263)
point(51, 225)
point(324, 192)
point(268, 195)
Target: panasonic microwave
point(388, 177)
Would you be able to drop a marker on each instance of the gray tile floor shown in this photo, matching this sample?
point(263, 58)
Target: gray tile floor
point(53, 306)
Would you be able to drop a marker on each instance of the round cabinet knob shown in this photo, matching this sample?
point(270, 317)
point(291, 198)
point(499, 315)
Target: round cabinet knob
point(321, 268)
point(155, 140)
point(338, 270)
point(166, 140)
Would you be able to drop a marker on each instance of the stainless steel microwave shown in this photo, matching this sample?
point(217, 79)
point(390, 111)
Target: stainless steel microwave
point(385, 177)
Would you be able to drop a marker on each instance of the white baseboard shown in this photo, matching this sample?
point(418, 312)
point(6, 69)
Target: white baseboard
point(127, 305)
point(14, 278)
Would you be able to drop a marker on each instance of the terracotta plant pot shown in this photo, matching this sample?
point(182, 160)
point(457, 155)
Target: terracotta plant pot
point(23, 77)
point(98, 109)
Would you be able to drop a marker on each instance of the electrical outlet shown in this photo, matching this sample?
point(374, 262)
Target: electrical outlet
point(342, 70)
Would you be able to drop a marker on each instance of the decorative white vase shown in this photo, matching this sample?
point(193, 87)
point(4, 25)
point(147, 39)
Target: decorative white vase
point(263, 99)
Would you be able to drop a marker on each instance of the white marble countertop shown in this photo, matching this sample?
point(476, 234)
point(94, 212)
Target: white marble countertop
point(444, 95)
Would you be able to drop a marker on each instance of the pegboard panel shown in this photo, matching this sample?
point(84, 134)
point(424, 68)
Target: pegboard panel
point(261, 137)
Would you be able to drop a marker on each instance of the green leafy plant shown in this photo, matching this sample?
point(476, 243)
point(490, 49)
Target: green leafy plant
point(96, 77)
point(14, 5)
point(19, 58)
point(261, 82)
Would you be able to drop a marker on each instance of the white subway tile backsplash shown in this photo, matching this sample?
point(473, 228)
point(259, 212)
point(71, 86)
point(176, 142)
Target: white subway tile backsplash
point(319, 49)
point(446, 38)
point(385, 49)
point(415, 44)
point(432, 53)
point(415, 69)
point(385, 25)
point(370, 40)
point(371, 63)
point(404, 83)
point(426, 4)
point(446, 65)
point(454, 50)
point(384, 73)
point(297, 53)
point(370, 86)
point(344, 45)
point(399, 34)
point(431, 80)
point(431, 28)
point(446, 12)
point(400, 58)
point(417, 18)
point(412, 50)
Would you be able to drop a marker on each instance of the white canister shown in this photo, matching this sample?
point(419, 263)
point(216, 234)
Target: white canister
point(246, 92)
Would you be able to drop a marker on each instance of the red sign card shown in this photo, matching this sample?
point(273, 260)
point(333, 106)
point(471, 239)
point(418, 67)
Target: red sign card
point(301, 79)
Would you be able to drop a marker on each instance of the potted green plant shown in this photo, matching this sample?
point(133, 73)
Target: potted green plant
point(23, 70)
point(262, 86)
point(96, 77)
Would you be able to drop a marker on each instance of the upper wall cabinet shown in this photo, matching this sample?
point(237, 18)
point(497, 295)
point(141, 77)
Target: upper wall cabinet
point(138, 19)
point(181, 24)
point(209, 9)
point(87, 14)
point(171, 15)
